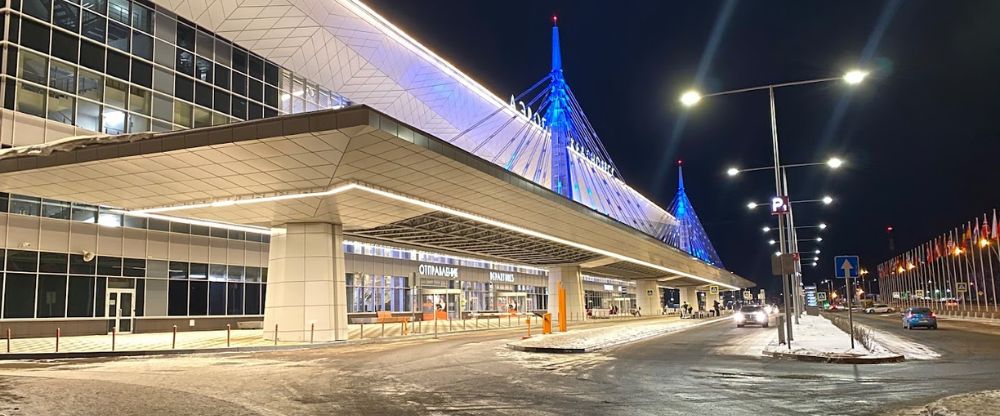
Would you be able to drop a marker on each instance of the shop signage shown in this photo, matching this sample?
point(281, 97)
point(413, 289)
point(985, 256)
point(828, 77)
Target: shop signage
point(443, 271)
point(502, 277)
point(609, 288)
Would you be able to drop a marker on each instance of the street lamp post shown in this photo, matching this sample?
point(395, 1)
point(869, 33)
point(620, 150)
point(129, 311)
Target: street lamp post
point(691, 98)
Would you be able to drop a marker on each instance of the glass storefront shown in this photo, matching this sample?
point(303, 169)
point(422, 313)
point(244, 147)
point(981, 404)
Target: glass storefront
point(371, 293)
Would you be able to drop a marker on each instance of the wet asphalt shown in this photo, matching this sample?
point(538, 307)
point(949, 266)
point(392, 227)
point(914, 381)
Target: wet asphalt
point(705, 370)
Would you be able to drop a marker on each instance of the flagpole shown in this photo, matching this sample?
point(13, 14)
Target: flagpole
point(982, 267)
point(952, 270)
point(993, 282)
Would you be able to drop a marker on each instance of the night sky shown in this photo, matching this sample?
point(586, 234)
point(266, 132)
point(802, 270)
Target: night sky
point(921, 136)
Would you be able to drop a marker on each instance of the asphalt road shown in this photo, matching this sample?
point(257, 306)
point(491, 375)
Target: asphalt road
point(705, 370)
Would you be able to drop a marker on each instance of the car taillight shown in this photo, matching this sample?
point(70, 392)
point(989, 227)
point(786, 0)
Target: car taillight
point(933, 315)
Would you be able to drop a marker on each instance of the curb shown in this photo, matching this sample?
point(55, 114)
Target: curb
point(550, 350)
point(837, 360)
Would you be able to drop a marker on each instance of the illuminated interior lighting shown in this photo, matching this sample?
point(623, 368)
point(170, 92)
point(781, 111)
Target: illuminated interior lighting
point(191, 221)
point(455, 212)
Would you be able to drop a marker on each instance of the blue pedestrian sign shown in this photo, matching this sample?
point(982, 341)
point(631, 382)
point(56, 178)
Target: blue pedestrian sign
point(846, 266)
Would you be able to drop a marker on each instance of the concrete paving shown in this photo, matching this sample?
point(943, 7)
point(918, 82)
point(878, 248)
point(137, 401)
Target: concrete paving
point(704, 370)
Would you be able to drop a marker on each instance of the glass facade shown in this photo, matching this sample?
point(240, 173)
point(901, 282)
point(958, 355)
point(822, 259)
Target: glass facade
point(45, 284)
point(119, 66)
point(370, 293)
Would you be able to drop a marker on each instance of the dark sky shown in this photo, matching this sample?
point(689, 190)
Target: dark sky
point(921, 136)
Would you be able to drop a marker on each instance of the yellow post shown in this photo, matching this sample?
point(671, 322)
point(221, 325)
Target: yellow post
point(547, 323)
point(528, 321)
point(562, 308)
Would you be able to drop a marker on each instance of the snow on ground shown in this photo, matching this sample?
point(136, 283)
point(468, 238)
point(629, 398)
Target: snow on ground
point(605, 337)
point(750, 342)
point(817, 336)
point(979, 404)
point(909, 349)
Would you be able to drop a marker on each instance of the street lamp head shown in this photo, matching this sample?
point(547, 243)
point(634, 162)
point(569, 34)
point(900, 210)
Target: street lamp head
point(814, 264)
point(751, 205)
point(827, 200)
point(817, 251)
point(770, 242)
point(822, 226)
point(691, 97)
point(834, 162)
point(777, 253)
point(819, 238)
point(733, 172)
point(854, 77)
point(766, 229)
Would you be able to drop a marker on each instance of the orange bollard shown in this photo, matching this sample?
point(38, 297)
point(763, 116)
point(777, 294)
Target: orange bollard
point(528, 321)
point(114, 332)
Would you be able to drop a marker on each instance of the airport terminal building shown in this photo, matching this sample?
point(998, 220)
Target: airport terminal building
point(299, 162)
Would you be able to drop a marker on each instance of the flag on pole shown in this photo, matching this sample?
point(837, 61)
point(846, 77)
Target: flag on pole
point(993, 229)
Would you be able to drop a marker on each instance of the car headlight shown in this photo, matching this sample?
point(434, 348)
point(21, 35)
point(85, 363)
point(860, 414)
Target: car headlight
point(761, 316)
point(738, 317)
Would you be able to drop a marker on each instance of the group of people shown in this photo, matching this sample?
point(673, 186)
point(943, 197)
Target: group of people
point(688, 310)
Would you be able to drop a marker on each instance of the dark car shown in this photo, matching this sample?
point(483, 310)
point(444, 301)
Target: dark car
point(751, 315)
point(915, 317)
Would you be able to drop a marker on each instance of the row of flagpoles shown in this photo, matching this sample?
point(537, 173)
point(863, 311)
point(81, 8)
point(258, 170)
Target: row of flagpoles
point(953, 270)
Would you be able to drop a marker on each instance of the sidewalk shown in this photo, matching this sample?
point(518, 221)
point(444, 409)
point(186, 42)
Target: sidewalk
point(589, 340)
point(253, 339)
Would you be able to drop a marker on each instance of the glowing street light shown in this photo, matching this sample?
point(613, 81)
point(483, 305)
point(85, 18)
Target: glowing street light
point(771, 242)
point(814, 264)
point(692, 97)
point(852, 77)
point(766, 229)
point(834, 163)
point(751, 205)
point(733, 172)
point(822, 226)
point(827, 200)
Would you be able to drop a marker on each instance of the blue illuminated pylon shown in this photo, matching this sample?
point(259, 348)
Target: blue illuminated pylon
point(688, 234)
point(558, 118)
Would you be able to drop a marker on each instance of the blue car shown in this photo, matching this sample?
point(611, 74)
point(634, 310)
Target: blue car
point(919, 317)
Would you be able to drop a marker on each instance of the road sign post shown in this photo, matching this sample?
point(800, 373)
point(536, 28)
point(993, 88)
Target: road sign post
point(846, 267)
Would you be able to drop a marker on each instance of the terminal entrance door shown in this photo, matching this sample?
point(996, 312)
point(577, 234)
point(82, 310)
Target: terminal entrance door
point(624, 305)
point(441, 304)
point(121, 310)
point(512, 302)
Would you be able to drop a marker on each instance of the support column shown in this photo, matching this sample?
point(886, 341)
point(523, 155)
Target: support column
point(689, 295)
point(648, 297)
point(711, 298)
point(572, 282)
point(306, 283)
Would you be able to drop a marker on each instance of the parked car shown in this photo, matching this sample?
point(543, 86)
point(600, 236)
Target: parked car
point(751, 315)
point(915, 317)
point(951, 304)
point(879, 308)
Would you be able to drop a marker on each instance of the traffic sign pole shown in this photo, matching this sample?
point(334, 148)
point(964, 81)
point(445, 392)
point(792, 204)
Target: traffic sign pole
point(847, 267)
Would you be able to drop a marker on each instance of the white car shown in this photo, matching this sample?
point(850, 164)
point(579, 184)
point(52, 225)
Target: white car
point(879, 309)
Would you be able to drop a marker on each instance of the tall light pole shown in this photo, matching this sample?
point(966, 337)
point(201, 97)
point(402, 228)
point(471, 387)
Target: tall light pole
point(692, 97)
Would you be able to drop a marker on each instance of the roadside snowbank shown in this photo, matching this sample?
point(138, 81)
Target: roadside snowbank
point(587, 340)
point(979, 404)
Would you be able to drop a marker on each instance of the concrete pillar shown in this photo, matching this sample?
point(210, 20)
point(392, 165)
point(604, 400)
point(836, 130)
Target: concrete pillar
point(689, 295)
point(710, 299)
point(648, 298)
point(572, 281)
point(306, 283)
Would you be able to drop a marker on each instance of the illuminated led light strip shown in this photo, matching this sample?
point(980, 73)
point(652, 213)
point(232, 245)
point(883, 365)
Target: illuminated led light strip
point(375, 19)
point(436, 207)
point(190, 221)
point(637, 193)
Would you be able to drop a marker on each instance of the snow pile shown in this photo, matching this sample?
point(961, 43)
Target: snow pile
point(909, 349)
point(978, 403)
point(605, 337)
point(817, 336)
